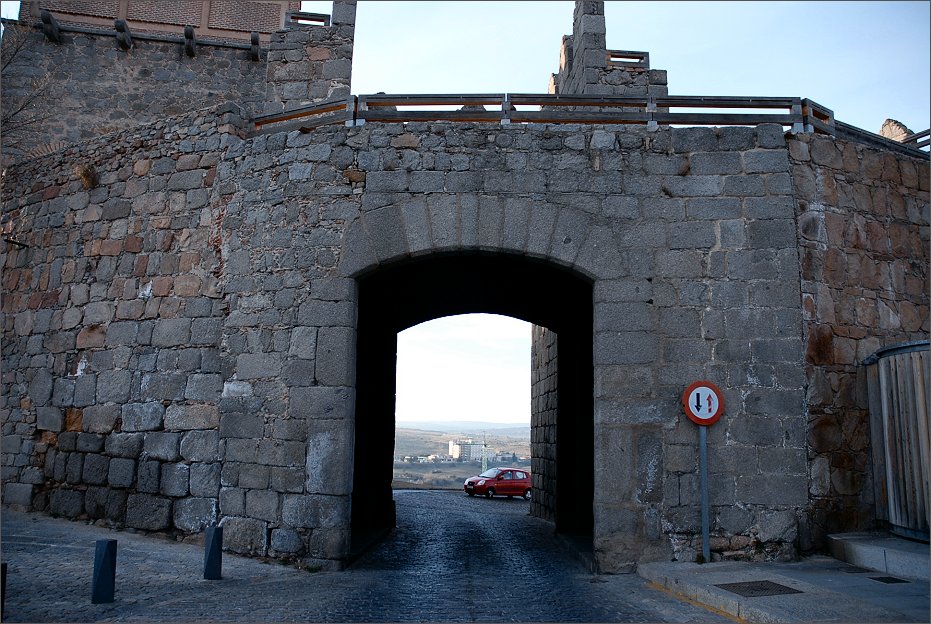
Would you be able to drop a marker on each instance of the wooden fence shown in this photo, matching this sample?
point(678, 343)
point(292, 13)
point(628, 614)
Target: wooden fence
point(518, 108)
point(897, 379)
point(801, 114)
point(920, 139)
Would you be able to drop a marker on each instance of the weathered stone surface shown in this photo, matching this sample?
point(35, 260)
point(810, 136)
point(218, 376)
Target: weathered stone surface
point(96, 468)
point(244, 535)
point(148, 512)
point(182, 417)
point(49, 419)
point(100, 418)
point(240, 425)
point(175, 479)
point(205, 479)
point(149, 474)
point(315, 510)
point(287, 541)
point(258, 365)
point(67, 503)
point(195, 514)
point(163, 387)
point(122, 472)
point(201, 387)
point(113, 386)
point(321, 402)
point(163, 446)
point(124, 444)
point(327, 468)
point(40, 388)
point(21, 494)
point(200, 446)
point(142, 416)
point(90, 442)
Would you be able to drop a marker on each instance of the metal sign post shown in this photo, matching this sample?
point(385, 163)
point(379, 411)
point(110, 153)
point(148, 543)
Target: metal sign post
point(703, 474)
point(703, 403)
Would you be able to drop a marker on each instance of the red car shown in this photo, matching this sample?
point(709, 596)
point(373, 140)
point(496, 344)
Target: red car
point(508, 482)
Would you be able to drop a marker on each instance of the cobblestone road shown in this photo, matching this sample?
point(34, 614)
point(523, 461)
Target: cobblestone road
point(452, 559)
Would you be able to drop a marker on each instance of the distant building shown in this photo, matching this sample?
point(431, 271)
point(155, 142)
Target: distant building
point(465, 450)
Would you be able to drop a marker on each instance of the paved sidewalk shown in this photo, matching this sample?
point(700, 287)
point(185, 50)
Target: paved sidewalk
point(448, 561)
point(825, 590)
point(452, 559)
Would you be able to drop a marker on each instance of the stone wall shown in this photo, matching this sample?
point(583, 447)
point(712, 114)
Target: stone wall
point(689, 235)
point(308, 65)
point(584, 66)
point(112, 324)
point(180, 337)
point(211, 19)
point(181, 304)
point(543, 405)
point(863, 244)
point(109, 89)
point(96, 88)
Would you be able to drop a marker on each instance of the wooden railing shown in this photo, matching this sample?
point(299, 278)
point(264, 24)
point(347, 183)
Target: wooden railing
point(517, 108)
point(917, 139)
point(801, 114)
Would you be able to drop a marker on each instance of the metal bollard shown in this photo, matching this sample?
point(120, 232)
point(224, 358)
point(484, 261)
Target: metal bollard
point(2, 588)
point(213, 554)
point(104, 580)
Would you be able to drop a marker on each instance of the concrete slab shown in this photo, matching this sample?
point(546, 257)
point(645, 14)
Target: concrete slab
point(882, 552)
point(829, 591)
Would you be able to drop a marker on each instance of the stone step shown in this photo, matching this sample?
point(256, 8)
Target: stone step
point(882, 552)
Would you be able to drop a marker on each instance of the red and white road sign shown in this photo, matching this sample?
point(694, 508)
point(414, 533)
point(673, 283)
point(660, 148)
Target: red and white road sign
point(703, 403)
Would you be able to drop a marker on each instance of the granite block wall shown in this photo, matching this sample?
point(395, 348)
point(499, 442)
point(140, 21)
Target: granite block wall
point(584, 66)
point(95, 88)
point(543, 396)
point(180, 298)
point(862, 218)
point(689, 235)
point(112, 323)
point(109, 89)
point(307, 65)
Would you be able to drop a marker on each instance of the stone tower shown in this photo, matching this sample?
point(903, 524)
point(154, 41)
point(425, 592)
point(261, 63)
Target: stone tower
point(587, 67)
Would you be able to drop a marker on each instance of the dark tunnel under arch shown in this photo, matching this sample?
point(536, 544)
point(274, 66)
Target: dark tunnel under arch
point(401, 295)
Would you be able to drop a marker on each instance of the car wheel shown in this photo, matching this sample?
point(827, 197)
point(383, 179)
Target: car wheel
point(471, 493)
point(489, 492)
point(527, 494)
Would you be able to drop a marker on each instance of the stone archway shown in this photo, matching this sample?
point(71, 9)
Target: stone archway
point(399, 295)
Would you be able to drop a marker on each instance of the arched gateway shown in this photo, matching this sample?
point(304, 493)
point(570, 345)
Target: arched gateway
point(201, 308)
point(404, 294)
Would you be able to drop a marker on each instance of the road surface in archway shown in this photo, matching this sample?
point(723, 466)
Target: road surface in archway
point(456, 558)
point(451, 559)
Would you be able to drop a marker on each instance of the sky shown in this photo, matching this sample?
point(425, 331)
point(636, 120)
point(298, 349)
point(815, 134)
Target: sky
point(867, 61)
point(471, 367)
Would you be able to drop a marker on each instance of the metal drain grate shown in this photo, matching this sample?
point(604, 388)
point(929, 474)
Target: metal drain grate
point(888, 579)
point(753, 589)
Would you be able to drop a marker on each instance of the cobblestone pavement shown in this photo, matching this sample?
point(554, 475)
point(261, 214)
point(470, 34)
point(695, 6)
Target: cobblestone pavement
point(452, 558)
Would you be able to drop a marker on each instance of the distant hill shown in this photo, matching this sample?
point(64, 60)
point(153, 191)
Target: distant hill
point(413, 438)
point(472, 427)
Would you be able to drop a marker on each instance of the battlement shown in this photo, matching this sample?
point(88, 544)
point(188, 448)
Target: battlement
point(125, 63)
point(218, 20)
point(587, 67)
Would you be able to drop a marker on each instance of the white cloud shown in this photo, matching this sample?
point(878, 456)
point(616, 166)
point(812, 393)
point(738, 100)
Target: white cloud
point(467, 367)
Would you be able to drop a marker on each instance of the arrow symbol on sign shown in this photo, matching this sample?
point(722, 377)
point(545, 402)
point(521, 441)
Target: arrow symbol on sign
point(709, 402)
point(698, 402)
